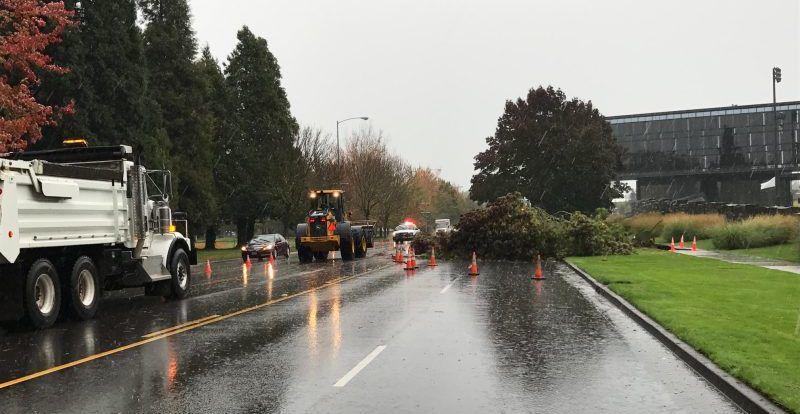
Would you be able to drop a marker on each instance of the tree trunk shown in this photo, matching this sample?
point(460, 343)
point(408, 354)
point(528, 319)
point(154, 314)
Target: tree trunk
point(245, 228)
point(211, 237)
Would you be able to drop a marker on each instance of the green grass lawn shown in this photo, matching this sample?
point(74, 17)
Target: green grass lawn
point(789, 252)
point(222, 243)
point(218, 254)
point(745, 318)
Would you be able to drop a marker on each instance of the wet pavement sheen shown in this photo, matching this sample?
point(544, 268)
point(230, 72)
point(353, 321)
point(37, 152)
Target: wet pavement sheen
point(496, 343)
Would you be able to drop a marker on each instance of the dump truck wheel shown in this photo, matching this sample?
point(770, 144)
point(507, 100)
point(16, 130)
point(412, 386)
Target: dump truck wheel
point(83, 292)
point(42, 294)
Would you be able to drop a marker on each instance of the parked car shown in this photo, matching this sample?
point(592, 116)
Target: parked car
point(265, 245)
point(405, 232)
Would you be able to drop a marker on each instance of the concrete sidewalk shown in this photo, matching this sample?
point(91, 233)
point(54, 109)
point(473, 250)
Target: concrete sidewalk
point(742, 259)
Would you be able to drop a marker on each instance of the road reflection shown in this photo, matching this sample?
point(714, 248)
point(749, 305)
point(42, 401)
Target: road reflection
point(313, 304)
point(172, 365)
point(336, 328)
point(270, 281)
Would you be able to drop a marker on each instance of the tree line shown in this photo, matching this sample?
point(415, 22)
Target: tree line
point(131, 72)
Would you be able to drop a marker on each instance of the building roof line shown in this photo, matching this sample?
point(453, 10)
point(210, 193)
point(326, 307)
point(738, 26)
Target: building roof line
point(689, 111)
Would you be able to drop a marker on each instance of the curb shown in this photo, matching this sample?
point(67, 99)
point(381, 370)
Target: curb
point(740, 393)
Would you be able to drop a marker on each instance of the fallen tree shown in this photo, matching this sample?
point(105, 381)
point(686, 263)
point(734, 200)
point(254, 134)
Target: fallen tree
point(509, 228)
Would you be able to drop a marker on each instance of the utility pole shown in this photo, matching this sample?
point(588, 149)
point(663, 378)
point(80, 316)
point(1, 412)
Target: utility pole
point(776, 78)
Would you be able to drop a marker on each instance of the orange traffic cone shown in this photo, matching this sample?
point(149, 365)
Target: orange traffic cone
point(272, 259)
point(208, 268)
point(672, 245)
point(432, 260)
point(694, 244)
point(247, 262)
point(398, 258)
point(410, 265)
point(473, 267)
point(681, 245)
point(538, 274)
point(413, 259)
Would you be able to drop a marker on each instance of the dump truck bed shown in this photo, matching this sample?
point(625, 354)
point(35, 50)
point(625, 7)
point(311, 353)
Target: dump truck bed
point(44, 204)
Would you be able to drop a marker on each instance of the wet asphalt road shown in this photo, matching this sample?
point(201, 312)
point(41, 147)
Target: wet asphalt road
point(433, 341)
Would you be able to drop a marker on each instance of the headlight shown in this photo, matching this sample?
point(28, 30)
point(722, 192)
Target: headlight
point(244, 248)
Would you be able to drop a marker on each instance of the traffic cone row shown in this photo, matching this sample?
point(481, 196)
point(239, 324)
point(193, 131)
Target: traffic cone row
point(473, 267)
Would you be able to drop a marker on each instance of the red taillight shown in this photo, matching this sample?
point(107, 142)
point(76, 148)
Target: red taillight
point(311, 220)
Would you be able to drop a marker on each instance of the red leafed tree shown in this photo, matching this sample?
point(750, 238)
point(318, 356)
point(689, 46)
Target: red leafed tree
point(27, 28)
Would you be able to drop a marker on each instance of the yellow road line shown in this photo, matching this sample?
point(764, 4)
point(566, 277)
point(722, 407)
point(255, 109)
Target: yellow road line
point(171, 333)
point(180, 326)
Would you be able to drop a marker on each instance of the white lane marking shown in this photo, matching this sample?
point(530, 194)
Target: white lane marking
point(446, 288)
point(361, 365)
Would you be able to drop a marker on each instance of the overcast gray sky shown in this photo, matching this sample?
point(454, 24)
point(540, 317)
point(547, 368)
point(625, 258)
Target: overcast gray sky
point(434, 74)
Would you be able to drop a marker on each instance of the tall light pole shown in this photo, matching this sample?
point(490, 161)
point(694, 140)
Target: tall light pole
point(776, 78)
point(338, 163)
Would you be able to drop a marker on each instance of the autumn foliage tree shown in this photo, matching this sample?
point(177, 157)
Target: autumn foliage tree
point(27, 28)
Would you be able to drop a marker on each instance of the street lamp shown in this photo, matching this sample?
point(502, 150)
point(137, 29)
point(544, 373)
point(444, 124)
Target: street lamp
point(338, 164)
point(776, 78)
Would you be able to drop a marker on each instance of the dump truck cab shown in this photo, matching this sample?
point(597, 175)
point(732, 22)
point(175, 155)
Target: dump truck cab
point(327, 228)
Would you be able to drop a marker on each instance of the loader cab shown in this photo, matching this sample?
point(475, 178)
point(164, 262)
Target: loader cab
point(325, 202)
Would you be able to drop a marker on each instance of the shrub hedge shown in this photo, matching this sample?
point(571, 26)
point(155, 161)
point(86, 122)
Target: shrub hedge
point(756, 231)
point(690, 225)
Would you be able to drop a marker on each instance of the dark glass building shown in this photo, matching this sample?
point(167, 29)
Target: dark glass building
point(716, 154)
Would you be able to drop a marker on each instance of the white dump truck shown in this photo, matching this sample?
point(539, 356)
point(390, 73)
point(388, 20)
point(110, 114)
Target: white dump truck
point(77, 221)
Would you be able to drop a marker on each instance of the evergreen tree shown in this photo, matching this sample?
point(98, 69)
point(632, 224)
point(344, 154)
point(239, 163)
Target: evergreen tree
point(218, 103)
point(106, 80)
point(265, 130)
point(170, 49)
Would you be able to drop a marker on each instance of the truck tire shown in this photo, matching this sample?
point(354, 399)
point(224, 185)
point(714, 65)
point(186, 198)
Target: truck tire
point(181, 274)
point(304, 254)
point(82, 294)
point(348, 248)
point(42, 295)
point(360, 245)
